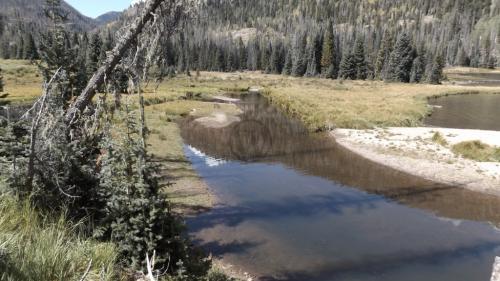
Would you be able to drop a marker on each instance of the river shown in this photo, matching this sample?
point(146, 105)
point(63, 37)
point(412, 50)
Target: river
point(295, 206)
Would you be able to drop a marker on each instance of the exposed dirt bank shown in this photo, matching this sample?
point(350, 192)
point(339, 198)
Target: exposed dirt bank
point(413, 151)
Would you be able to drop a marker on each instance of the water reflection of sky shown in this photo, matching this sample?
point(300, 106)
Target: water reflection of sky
point(283, 224)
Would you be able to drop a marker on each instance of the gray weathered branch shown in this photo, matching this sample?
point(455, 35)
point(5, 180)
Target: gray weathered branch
point(112, 60)
point(34, 129)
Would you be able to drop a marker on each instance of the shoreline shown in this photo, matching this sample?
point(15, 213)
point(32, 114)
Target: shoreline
point(412, 151)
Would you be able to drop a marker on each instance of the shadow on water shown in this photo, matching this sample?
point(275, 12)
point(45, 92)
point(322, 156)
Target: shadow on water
point(265, 135)
point(296, 206)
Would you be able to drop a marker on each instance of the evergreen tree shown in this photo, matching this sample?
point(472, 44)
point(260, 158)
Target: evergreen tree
point(436, 74)
point(265, 57)
point(276, 60)
point(462, 58)
point(219, 64)
point(299, 61)
point(287, 67)
point(20, 48)
point(54, 51)
point(30, 50)
point(329, 67)
point(360, 60)
point(401, 60)
point(94, 53)
point(242, 53)
point(418, 69)
point(348, 68)
point(383, 56)
point(486, 52)
point(314, 57)
point(492, 63)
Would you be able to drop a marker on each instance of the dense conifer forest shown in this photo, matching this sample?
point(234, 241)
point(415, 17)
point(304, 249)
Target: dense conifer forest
point(406, 41)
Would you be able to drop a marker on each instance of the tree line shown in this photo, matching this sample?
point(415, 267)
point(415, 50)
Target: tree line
point(404, 41)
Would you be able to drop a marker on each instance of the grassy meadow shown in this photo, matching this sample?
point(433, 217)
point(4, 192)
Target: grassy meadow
point(320, 104)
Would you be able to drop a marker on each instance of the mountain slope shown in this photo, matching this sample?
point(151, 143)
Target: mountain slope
point(31, 12)
point(107, 18)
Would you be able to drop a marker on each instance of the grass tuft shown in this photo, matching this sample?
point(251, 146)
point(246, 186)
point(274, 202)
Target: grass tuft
point(478, 151)
point(439, 139)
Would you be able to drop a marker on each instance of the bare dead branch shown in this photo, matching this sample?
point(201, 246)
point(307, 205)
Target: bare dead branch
point(34, 130)
point(112, 60)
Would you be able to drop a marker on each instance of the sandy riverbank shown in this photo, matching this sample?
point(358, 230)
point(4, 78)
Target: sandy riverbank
point(412, 150)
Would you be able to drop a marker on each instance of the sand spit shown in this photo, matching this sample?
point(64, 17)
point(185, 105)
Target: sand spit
point(412, 150)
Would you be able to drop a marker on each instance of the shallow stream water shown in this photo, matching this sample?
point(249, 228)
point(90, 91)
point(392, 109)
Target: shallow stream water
point(295, 206)
point(473, 111)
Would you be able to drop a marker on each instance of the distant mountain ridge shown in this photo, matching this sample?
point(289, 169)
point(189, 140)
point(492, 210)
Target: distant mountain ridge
point(31, 13)
point(108, 17)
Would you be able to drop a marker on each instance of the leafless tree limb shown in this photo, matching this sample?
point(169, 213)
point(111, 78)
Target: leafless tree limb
point(34, 129)
point(112, 60)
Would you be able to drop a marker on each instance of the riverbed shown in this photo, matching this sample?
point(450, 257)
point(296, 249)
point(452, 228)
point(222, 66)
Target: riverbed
point(296, 206)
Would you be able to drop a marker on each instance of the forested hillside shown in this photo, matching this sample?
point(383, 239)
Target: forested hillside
point(22, 22)
point(332, 38)
point(463, 32)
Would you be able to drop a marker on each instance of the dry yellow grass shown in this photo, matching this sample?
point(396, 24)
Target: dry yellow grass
point(461, 69)
point(22, 81)
point(476, 150)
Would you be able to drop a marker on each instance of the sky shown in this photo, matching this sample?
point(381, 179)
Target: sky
point(95, 8)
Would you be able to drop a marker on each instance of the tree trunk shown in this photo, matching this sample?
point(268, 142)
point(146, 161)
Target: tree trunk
point(111, 61)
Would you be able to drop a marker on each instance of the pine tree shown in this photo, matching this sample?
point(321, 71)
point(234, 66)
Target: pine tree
point(329, 67)
point(418, 69)
point(20, 48)
point(436, 74)
point(54, 51)
point(299, 61)
point(486, 52)
point(30, 50)
point(314, 57)
point(492, 63)
point(265, 57)
point(276, 58)
point(136, 215)
point(219, 63)
point(401, 60)
point(383, 55)
point(287, 67)
point(462, 58)
point(94, 53)
point(348, 67)
point(242, 53)
point(360, 60)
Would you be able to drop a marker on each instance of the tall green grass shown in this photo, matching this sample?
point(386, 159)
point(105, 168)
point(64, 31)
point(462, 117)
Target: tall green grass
point(39, 248)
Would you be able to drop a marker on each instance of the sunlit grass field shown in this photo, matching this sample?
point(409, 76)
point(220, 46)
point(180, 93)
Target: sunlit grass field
point(23, 83)
point(319, 103)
